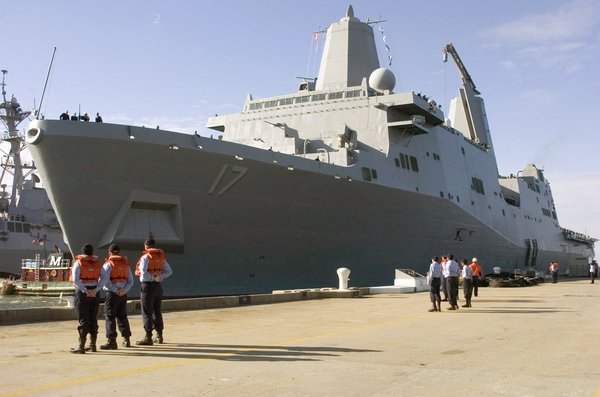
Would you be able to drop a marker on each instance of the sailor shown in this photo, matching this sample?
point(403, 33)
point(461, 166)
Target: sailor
point(85, 117)
point(451, 272)
point(85, 275)
point(444, 283)
point(98, 118)
point(477, 274)
point(152, 269)
point(435, 280)
point(593, 270)
point(118, 280)
point(467, 280)
point(554, 271)
point(65, 115)
point(74, 117)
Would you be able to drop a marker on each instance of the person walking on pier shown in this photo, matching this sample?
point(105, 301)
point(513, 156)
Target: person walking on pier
point(85, 275)
point(477, 274)
point(554, 271)
point(435, 281)
point(152, 269)
point(451, 273)
point(117, 279)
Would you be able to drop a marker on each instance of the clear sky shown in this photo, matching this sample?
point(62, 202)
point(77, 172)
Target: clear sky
point(176, 63)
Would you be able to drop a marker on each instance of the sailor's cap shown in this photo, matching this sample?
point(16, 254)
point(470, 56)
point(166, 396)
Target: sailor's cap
point(474, 260)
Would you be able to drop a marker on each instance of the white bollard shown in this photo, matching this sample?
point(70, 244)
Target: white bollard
point(344, 276)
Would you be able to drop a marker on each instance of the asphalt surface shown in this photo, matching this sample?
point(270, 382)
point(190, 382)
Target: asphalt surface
point(530, 341)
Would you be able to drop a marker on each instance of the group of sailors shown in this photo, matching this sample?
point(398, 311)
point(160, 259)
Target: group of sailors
point(113, 276)
point(80, 117)
point(443, 277)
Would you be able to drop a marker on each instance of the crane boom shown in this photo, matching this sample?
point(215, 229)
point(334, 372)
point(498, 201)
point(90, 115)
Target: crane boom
point(449, 48)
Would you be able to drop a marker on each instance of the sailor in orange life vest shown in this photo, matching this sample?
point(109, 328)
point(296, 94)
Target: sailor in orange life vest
point(477, 274)
point(85, 275)
point(152, 269)
point(118, 280)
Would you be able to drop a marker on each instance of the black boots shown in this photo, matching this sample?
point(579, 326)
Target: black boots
point(126, 342)
point(81, 348)
point(92, 345)
point(434, 308)
point(147, 341)
point(159, 338)
point(111, 344)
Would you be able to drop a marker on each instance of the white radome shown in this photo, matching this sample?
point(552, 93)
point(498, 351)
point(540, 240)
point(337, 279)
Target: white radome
point(382, 79)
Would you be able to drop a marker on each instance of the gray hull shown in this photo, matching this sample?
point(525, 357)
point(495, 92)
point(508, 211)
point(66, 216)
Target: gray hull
point(274, 228)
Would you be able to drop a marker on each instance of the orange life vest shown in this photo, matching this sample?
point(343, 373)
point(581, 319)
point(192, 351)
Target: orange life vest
point(120, 268)
point(476, 269)
point(90, 268)
point(156, 261)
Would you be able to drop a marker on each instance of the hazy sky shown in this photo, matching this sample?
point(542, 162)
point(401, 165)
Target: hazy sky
point(176, 63)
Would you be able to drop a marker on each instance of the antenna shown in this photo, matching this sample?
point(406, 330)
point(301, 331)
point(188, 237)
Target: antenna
point(4, 84)
point(37, 116)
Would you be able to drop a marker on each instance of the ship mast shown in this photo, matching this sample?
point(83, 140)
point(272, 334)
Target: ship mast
point(12, 115)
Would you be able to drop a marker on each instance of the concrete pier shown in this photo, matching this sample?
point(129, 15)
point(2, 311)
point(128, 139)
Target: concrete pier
point(532, 341)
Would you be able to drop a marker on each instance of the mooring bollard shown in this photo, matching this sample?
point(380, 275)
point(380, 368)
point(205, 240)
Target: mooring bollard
point(344, 276)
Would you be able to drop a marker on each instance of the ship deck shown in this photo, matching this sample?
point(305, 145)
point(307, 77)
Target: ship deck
point(540, 340)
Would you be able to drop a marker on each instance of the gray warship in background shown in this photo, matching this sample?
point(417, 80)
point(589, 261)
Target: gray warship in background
point(28, 224)
point(343, 172)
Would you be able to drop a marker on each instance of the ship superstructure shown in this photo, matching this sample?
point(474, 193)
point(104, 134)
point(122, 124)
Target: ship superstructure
point(344, 172)
point(28, 225)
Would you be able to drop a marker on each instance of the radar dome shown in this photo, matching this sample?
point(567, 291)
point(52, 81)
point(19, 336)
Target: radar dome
point(382, 79)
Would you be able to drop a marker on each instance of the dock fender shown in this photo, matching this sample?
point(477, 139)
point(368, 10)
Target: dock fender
point(34, 135)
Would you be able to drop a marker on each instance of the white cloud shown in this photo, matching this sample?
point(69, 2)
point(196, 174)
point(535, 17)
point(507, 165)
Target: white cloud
point(562, 40)
point(574, 20)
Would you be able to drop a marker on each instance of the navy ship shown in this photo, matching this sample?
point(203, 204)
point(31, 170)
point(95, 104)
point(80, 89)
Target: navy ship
point(345, 172)
point(28, 225)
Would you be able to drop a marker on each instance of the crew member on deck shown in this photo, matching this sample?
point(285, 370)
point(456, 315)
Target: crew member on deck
point(118, 280)
point(65, 115)
point(152, 269)
point(98, 118)
point(85, 275)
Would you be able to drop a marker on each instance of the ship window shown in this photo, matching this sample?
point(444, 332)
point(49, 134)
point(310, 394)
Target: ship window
point(477, 185)
point(436, 156)
point(366, 173)
point(462, 149)
point(503, 213)
point(374, 173)
point(402, 161)
point(397, 161)
point(458, 199)
point(353, 93)
point(414, 164)
point(255, 106)
point(271, 104)
point(286, 101)
point(318, 97)
point(302, 99)
point(336, 95)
